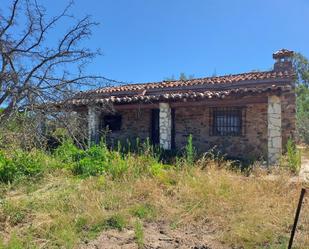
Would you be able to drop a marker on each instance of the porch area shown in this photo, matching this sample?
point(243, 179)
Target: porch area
point(247, 128)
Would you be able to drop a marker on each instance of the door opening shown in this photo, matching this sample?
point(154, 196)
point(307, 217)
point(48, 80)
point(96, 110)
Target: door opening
point(155, 128)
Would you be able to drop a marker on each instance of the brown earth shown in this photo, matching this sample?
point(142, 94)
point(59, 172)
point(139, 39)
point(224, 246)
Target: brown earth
point(157, 236)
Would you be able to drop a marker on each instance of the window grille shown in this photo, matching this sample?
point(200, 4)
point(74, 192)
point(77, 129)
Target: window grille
point(227, 121)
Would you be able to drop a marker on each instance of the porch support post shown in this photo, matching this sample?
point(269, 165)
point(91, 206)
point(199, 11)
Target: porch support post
point(274, 130)
point(93, 125)
point(165, 123)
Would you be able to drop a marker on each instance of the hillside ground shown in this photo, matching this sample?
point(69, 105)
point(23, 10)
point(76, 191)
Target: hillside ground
point(105, 199)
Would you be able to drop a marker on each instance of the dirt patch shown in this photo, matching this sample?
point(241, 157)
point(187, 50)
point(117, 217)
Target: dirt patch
point(157, 236)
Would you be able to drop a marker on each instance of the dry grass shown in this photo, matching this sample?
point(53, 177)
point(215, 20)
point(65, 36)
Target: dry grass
point(63, 211)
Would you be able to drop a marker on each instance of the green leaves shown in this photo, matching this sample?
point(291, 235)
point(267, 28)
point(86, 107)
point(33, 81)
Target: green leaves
point(301, 65)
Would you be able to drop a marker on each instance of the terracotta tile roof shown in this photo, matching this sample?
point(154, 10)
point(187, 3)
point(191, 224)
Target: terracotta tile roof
point(210, 87)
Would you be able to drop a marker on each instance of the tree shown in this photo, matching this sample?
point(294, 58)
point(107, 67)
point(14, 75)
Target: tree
point(34, 72)
point(301, 65)
point(182, 76)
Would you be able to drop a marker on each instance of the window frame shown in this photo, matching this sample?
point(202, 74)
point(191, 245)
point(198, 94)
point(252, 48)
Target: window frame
point(107, 124)
point(228, 122)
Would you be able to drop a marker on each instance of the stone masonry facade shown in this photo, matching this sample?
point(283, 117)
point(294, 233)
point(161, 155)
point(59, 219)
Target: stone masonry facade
point(263, 124)
point(196, 121)
point(249, 115)
point(136, 123)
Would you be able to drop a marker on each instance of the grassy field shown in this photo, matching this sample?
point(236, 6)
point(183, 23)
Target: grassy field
point(70, 197)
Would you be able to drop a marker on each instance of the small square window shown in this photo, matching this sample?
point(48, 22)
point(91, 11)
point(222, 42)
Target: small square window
point(227, 121)
point(112, 122)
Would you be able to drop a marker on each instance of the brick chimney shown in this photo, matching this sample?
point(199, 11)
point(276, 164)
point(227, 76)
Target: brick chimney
point(283, 59)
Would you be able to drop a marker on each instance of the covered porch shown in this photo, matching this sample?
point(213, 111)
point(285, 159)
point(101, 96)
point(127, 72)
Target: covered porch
point(246, 127)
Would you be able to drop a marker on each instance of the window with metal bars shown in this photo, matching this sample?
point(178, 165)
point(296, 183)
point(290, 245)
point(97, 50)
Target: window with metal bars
point(227, 121)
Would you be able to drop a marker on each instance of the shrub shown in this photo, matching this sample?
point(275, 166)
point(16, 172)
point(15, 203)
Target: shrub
point(116, 221)
point(190, 151)
point(87, 167)
point(67, 152)
point(8, 170)
point(118, 166)
point(29, 163)
point(156, 168)
point(91, 162)
point(22, 164)
point(292, 159)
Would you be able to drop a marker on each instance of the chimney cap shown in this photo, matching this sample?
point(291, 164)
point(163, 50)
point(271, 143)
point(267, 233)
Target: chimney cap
point(283, 53)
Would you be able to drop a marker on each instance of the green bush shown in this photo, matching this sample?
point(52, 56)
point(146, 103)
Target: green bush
point(292, 159)
point(293, 156)
point(91, 162)
point(118, 166)
point(156, 168)
point(67, 152)
point(190, 151)
point(22, 164)
point(87, 167)
point(8, 170)
point(29, 163)
point(116, 221)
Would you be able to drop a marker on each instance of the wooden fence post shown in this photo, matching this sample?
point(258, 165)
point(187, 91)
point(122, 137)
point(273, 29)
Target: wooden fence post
point(300, 202)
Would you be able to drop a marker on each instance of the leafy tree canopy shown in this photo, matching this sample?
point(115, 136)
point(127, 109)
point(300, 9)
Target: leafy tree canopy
point(301, 65)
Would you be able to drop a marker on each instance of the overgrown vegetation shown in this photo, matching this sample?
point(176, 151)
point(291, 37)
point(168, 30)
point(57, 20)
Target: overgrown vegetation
point(292, 159)
point(139, 234)
point(301, 65)
point(69, 196)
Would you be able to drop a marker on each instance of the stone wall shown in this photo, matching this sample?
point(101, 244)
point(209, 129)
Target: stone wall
point(165, 126)
point(135, 123)
point(195, 121)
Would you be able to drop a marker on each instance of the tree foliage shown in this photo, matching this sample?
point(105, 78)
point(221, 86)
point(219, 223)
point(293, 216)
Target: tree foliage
point(301, 65)
point(182, 76)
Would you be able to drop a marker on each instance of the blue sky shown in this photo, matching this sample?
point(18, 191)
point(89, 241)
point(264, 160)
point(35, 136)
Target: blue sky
point(149, 40)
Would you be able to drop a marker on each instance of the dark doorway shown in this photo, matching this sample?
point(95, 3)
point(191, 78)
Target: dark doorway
point(155, 129)
point(173, 145)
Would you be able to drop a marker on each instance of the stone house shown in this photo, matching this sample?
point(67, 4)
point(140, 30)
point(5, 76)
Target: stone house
point(249, 115)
